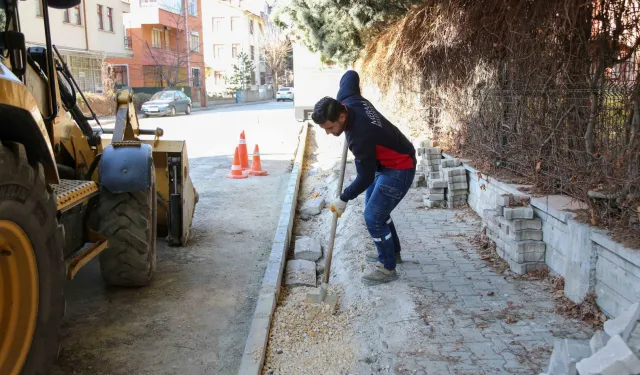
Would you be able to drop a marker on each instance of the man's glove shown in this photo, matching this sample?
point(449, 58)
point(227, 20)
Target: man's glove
point(338, 206)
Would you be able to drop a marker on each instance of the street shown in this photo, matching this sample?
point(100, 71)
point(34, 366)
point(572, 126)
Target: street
point(195, 315)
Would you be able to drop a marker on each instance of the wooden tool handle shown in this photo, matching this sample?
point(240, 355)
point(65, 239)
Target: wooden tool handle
point(334, 222)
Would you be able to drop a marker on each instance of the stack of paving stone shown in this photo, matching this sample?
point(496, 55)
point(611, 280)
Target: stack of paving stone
point(436, 186)
point(612, 352)
point(422, 169)
point(455, 177)
point(518, 236)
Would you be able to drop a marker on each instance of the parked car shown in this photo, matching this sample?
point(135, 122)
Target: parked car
point(167, 103)
point(284, 93)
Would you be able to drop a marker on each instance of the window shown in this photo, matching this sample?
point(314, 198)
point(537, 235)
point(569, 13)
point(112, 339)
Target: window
point(73, 15)
point(195, 42)
point(252, 52)
point(253, 78)
point(193, 7)
point(110, 18)
point(166, 39)
point(100, 24)
point(251, 27)
point(218, 51)
point(218, 78)
point(234, 50)
point(156, 38)
point(263, 78)
point(195, 77)
point(234, 23)
point(119, 74)
point(218, 24)
point(39, 8)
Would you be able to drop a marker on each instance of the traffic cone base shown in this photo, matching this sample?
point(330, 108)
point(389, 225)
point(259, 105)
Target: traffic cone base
point(236, 169)
point(256, 165)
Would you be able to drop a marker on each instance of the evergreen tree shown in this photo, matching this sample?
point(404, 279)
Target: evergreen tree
point(339, 29)
point(235, 80)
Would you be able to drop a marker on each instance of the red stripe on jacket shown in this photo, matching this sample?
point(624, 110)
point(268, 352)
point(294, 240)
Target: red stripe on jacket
point(392, 159)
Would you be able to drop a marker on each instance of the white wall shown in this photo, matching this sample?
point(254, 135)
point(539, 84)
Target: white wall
point(71, 37)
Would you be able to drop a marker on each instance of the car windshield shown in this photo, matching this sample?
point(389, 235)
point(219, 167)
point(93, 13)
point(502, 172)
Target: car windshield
point(162, 95)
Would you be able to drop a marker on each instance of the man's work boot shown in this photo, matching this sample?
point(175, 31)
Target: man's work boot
point(372, 256)
point(379, 275)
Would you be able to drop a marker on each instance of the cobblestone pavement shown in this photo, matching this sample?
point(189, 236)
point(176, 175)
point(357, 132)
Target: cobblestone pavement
point(467, 318)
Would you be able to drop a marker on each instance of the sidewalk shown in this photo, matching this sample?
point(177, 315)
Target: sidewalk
point(111, 119)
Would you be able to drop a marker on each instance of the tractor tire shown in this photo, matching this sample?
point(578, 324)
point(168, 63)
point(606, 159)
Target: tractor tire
point(128, 221)
point(33, 244)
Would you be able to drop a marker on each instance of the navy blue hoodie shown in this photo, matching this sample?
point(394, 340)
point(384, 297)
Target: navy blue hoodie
point(374, 141)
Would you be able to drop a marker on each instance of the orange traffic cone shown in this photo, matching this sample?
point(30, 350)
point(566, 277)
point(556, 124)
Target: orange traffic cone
point(236, 169)
point(256, 165)
point(244, 156)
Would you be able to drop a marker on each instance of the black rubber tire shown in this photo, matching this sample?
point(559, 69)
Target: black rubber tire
point(188, 110)
point(172, 112)
point(146, 115)
point(28, 201)
point(128, 220)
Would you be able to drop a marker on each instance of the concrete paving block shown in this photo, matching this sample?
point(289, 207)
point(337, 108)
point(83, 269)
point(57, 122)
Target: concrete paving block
point(457, 186)
point(435, 176)
point(426, 143)
point(521, 224)
point(437, 184)
point(457, 171)
point(421, 151)
point(300, 272)
point(435, 168)
point(431, 162)
point(524, 235)
point(556, 363)
point(610, 358)
point(433, 204)
point(527, 251)
point(499, 210)
point(624, 323)
point(598, 341)
point(457, 192)
point(312, 207)
point(435, 197)
point(434, 150)
point(455, 179)
point(574, 351)
point(434, 157)
point(503, 200)
point(436, 190)
point(451, 163)
point(511, 213)
point(307, 248)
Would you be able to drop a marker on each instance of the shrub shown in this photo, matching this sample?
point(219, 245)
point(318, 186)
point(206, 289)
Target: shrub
point(140, 98)
point(101, 105)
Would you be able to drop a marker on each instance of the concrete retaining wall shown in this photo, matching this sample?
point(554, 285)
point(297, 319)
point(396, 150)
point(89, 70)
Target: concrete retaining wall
point(587, 258)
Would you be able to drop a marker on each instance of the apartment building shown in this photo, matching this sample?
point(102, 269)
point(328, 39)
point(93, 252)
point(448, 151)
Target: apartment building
point(231, 27)
point(85, 35)
point(167, 46)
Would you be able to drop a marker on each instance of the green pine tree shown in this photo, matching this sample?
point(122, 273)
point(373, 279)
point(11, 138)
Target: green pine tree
point(340, 29)
point(234, 81)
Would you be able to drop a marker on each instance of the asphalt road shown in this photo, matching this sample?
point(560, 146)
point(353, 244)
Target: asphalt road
point(195, 316)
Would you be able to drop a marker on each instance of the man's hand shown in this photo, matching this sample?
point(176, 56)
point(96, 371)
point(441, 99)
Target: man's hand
point(338, 206)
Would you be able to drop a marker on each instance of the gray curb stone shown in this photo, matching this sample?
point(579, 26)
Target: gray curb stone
point(256, 344)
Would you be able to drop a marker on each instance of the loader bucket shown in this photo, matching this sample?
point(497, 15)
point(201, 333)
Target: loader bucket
point(177, 197)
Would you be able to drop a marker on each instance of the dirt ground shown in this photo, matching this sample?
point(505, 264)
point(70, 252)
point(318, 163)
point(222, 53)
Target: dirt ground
point(194, 318)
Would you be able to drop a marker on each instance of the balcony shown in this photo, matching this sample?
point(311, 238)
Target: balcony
point(127, 42)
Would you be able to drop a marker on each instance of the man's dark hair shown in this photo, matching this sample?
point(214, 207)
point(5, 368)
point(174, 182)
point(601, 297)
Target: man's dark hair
point(327, 109)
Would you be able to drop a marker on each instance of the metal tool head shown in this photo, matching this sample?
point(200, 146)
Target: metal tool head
point(321, 296)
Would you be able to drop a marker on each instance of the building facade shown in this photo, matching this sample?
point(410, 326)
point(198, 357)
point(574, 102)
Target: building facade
point(231, 27)
point(85, 35)
point(166, 39)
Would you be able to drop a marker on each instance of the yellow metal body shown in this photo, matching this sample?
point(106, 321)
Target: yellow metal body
point(19, 294)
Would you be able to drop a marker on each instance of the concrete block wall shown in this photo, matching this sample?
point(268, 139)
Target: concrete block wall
point(587, 258)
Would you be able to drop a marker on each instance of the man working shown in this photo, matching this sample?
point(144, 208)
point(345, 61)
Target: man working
point(386, 164)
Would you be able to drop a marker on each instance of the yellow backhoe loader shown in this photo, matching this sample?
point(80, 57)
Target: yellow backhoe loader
point(69, 193)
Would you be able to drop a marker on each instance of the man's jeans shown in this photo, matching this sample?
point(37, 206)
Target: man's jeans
point(384, 194)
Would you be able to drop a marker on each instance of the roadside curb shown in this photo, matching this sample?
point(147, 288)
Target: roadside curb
point(256, 345)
